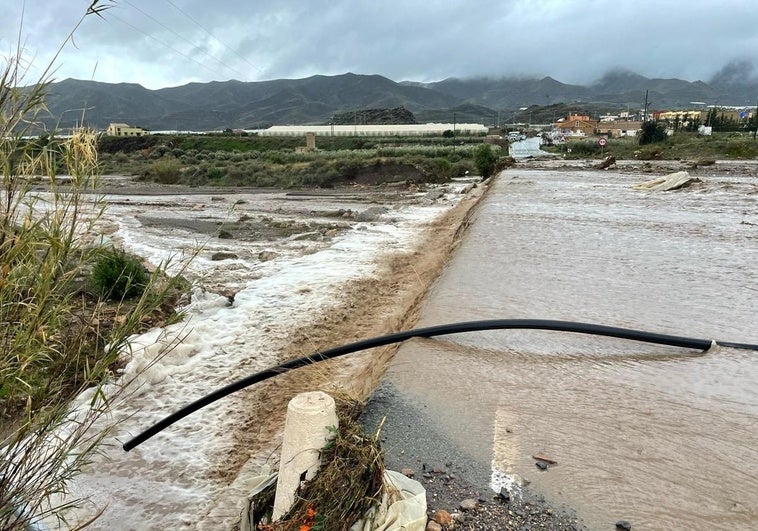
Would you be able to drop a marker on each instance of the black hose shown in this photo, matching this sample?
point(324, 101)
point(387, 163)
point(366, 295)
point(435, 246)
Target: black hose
point(453, 328)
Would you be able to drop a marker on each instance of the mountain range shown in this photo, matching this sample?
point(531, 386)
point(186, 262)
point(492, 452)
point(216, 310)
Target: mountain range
point(316, 99)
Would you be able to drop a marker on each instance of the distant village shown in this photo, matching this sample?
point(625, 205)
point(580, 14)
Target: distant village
point(571, 127)
point(703, 122)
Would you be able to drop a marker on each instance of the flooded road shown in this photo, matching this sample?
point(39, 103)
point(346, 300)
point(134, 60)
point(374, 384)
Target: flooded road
point(665, 438)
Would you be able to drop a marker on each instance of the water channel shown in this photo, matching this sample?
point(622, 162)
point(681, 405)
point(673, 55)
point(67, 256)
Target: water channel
point(663, 437)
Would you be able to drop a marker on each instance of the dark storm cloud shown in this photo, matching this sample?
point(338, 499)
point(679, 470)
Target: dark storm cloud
point(170, 42)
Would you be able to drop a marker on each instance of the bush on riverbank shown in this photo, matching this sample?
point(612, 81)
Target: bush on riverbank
point(118, 276)
point(59, 336)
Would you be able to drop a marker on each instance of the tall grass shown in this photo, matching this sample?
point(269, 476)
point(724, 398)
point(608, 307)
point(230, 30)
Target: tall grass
point(55, 340)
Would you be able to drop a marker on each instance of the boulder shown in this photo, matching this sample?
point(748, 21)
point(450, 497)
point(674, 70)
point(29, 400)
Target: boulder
point(469, 504)
point(223, 256)
point(371, 214)
point(265, 256)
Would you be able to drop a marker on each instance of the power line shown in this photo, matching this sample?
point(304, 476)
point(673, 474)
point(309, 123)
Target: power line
point(135, 28)
point(185, 39)
point(213, 36)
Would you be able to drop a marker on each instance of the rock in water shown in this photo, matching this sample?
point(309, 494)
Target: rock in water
point(606, 163)
point(223, 256)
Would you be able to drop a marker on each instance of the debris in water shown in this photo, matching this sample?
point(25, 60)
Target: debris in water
point(540, 457)
point(673, 181)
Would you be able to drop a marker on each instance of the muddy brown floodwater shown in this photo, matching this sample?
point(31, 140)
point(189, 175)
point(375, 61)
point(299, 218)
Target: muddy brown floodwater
point(664, 438)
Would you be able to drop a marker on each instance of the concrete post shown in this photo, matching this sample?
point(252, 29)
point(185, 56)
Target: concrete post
point(310, 141)
point(309, 415)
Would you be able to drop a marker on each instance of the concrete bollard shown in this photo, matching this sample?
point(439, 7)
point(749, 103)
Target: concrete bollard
point(305, 434)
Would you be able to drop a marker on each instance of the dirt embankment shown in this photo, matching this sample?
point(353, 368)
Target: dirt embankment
point(382, 304)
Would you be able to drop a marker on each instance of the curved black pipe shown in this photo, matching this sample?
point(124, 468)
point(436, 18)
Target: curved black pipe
point(453, 328)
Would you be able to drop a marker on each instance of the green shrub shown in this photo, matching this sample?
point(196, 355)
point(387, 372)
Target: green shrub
point(438, 169)
point(484, 159)
point(462, 168)
point(159, 152)
point(215, 173)
point(653, 132)
point(165, 171)
point(119, 276)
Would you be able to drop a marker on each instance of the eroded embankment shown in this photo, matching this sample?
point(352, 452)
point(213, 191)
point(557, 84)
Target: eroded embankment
point(383, 303)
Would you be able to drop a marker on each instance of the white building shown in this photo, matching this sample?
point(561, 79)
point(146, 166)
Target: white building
point(371, 130)
point(119, 129)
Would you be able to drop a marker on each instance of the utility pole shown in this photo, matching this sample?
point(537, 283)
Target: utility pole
point(453, 132)
point(644, 112)
point(756, 120)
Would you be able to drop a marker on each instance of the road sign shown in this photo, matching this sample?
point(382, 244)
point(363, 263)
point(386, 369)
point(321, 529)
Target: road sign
point(602, 142)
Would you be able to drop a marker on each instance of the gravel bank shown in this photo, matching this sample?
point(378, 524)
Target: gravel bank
point(455, 482)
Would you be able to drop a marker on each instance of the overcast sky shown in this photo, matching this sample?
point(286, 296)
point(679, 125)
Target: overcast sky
point(159, 43)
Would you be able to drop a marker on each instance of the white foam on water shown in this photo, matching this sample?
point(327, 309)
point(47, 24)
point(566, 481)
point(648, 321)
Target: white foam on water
point(165, 482)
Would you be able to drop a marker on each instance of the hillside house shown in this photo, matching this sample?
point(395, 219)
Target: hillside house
point(575, 126)
point(119, 129)
point(619, 128)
